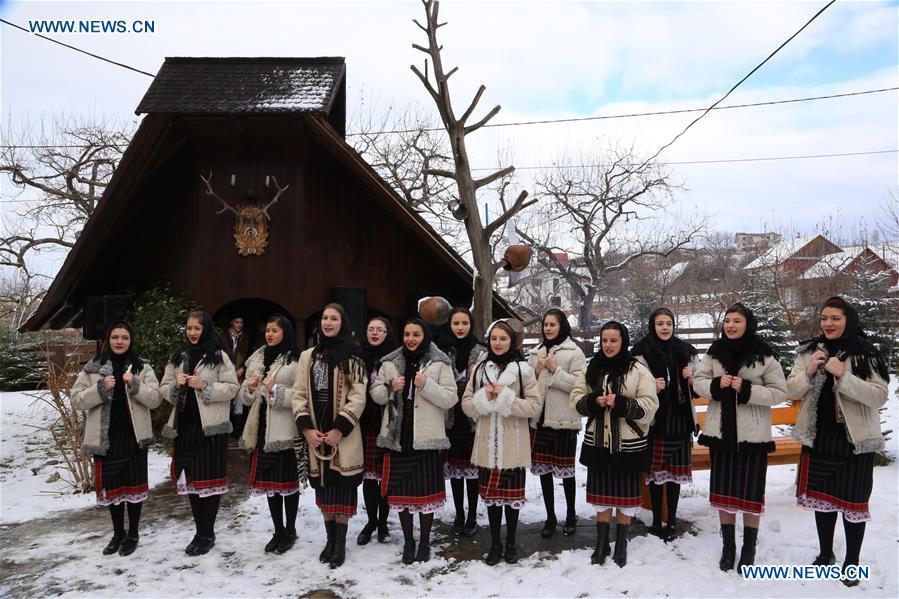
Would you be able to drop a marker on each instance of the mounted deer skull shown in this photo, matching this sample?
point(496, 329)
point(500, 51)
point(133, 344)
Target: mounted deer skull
point(250, 225)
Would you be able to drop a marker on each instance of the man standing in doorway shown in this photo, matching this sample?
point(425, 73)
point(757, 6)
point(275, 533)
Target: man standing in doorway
point(236, 344)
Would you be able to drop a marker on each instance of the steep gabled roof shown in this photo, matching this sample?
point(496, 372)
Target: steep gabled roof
point(784, 250)
point(244, 85)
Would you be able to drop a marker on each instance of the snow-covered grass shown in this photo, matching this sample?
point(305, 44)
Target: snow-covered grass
point(237, 565)
point(27, 463)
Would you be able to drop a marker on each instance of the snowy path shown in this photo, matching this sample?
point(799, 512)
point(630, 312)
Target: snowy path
point(50, 552)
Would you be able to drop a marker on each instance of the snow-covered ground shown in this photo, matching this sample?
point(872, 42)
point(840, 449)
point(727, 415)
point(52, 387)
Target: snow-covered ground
point(237, 565)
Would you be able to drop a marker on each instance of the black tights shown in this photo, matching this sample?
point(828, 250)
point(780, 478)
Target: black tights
point(277, 504)
point(205, 510)
point(495, 517)
point(546, 483)
point(826, 523)
point(424, 523)
point(118, 518)
point(672, 494)
point(459, 487)
point(375, 504)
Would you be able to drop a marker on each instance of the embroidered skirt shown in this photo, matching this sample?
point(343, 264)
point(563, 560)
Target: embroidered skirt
point(199, 463)
point(374, 456)
point(672, 460)
point(413, 481)
point(334, 500)
point(553, 451)
point(458, 456)
point(608, 488)
point(737, 480)
point(840, 484)
point(274, 473)
point(121, 475)
point(502, 487)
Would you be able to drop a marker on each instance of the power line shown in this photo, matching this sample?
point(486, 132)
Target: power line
point(710, 161)
point(747, 76)
point(97, 56)
point(627, 115)
point(560, 120)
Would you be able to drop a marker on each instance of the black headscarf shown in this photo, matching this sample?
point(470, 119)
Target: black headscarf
point(339, 350)
point(734, 354)
point(372, 354)
point(616, 367)
point(853, 345)
point(459, 349)
point(287, 346)
point(513, 355)
point(564, 329)
point(663, 356)
point(206, 350)
point(422, 349)
point(120, 362)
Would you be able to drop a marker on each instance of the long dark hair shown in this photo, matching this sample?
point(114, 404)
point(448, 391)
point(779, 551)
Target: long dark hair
point(853, 345)
point(207, 349)
point(105, 354)
point(288, 346)
point(564, 329)
point(459, 349)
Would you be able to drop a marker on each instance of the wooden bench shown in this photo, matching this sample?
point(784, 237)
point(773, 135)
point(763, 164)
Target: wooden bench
point(786, 450)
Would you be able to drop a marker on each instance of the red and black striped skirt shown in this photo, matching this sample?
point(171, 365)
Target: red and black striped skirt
point(607, 487)
point(553, 451)
point(274, 473)
point(502, 487)
point(199, 463)
point(672, 460)
point(413, 481)
point(737, 480)
point(121, 475)
point(373, 456)
point(836, 484)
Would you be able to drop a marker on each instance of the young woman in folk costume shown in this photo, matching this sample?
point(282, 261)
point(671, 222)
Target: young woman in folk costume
point(502, 394)
point(117, 390)
point(842, 380)
point(742, 378)
point(270, 428)
point(618, 396)
point(328, 403)
point(672, 362)
point(416, 384)
point(378, 342)
point(200, 382)
point(463, 348)
point(557, 362)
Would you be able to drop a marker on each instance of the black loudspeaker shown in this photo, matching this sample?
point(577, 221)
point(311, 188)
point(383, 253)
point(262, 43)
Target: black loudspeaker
point(355, 302)
point(100, 311)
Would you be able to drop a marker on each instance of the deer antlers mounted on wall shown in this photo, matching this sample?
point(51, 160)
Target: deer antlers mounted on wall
point(250, 225)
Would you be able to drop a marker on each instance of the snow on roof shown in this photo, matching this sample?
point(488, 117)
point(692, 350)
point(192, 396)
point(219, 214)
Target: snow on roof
point(834, 263)
point(780, 252)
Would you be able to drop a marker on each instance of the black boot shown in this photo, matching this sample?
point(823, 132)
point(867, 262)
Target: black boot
point(620, 555)
point(204, 544)
point(495, 517)
point(383, 512)
point(129, 544)
point(471, 523)
point(728, 548)
point(287, 540)
point(570, 526)
point(825, 523)
point(273, 543)
point(549, 527)
point(511, 554)
point(325, 556)
point(747, 552)
point(114, 543)
point(408, 552)
point(603, 549)
point(366, 532)
point(424, 541)
point(339, 554)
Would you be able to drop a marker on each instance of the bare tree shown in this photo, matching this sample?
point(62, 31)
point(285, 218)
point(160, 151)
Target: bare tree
point(436, 82)
point(58, 174)
point(402, 146)
point(891, 211)
point(604, 207)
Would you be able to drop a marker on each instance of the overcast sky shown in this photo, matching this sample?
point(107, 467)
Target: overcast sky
point(545, 60)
